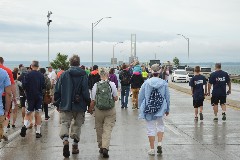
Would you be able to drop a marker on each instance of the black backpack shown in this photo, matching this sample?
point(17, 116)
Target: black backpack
point(125, 78)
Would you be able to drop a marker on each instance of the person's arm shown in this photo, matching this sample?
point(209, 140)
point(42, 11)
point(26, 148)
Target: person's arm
point(92, 104)
point(229, 85)
point(209, 88)
point(8, 94)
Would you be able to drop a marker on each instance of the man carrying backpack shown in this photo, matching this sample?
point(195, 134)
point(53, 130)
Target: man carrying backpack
point(104, 95)
point(124, 77)
point(154, 101)
point(72, 98)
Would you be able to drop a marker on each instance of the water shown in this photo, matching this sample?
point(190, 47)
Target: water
point(231, 68)
point(43, 64)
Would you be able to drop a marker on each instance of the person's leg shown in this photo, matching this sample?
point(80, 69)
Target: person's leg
point(137, 92)
point(2, 118)
point(15, 111)
point(151, 132)
point(122, 95)
point(99, 120)
point(109, 122)
point(134, 97)
point(66, 118)
point(160, 132)
point(127, 95)
point(196, 112)
point(78, 119)
point(45, 106)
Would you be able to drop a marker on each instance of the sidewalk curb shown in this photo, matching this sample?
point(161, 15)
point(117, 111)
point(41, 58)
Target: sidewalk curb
point(14, 135)
point(230, 103)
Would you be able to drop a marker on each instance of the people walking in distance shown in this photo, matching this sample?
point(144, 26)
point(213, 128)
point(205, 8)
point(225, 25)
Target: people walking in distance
point(93, 78)
point(219, 79)
point(124, 77)
point(33, 84)
point(72, 98)
point(18, 84)
point(136, 82)
point(104, 95)
point(22, 92)
point(13, 89)
point(87, 70)
point(46, 93)
point(197, 82)
point(53, 78)
point(154, 102)
point(113, 77)
point(60, 72)
point(5, 85)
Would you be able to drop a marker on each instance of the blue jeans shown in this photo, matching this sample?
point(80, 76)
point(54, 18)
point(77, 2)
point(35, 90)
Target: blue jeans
point(124, 95)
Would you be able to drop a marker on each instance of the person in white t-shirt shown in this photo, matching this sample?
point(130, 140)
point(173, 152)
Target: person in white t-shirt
point(53, 78)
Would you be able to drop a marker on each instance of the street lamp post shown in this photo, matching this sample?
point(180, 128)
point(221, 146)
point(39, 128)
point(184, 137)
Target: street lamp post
point(187, 39)
point(48, 24)
point(113, 52)
point(94, 25)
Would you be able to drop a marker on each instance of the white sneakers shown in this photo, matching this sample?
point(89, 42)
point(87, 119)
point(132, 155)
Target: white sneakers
point(151, 152)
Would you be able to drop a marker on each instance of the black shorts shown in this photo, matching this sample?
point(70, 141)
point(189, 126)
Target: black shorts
point(198, 103)
point(216, 99)
point(34, 105)
point(22, 101)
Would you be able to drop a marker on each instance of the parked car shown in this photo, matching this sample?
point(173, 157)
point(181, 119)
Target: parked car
point(180, 76)
point(190, 72)
point(205, 71)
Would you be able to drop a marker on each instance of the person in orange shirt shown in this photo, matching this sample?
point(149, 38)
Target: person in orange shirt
point(13, 89)
point(60, 72)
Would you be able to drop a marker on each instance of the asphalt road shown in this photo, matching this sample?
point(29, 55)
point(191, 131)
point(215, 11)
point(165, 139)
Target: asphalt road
point(183, 139)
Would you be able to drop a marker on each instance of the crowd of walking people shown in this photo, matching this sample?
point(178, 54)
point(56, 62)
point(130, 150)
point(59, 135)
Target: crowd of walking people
point(79, 90)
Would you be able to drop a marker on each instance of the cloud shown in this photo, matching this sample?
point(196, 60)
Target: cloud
point(212, 27)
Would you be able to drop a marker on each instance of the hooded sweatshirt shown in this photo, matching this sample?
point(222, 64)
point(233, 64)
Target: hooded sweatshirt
point(67, 86)
point(144, 95)
point(93, 78)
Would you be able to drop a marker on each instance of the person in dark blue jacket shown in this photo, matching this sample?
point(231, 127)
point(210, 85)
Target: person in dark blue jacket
point(33, 84)
point(72, 98)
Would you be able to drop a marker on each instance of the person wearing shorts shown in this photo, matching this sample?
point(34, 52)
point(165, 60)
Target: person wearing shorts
point(219, 79)
point(197, 83)
point(5, 85)
point(33, 85)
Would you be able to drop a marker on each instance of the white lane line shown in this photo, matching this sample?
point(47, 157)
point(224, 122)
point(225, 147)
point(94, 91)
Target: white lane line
point(12, 136)
point(174, 130)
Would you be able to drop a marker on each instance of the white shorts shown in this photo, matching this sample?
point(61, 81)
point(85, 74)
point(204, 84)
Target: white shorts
point(155, 126)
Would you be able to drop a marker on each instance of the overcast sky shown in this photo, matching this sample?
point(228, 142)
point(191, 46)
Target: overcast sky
point(213, 27)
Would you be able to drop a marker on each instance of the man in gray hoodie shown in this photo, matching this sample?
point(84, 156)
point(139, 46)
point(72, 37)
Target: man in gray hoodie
point(72, 98)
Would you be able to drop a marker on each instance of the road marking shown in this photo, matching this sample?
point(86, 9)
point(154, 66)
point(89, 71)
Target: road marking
point(173, 129)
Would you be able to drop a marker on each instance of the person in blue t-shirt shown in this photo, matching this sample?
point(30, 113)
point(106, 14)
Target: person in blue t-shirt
point(197, 83)
point(219, 79)
point(5, 85)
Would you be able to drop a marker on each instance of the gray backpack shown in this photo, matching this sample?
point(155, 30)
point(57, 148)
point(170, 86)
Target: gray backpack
point(104, 98)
